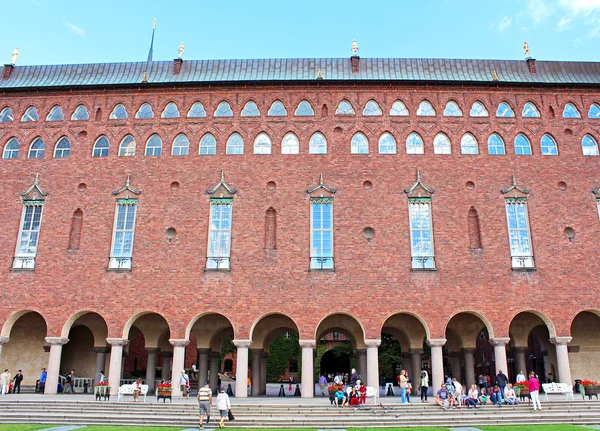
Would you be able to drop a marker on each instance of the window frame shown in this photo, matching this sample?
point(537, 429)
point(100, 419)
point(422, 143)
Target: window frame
point(37, 151)
point(290, 135)
point(452, 109)
point(596, 107)
point(28, 118)
point(55, 114)
point(393, 139)
point(121, 109)
point(207, 148)
point(278, 103)
point(76, 113)
point(536, 111)
point(509, 110)
point(62, 150)
point(210, 251)
point(11, 150)
point(250, 109)
point(410, 150)
point(230, 145)
point(595, 146)
point(6, 115)
point(312, 144)
point(426, 109)
point(495, 153)
point(125, 153)
point(347, 110)
point(194, 108)
point(155, 148)
point(26, 259)
point(519, 259)
point(394, 108)
point(482, 111)
point(372, 109)
point(167, 114)
point(146, 114)
point(468, 135)
point(441, 150)
point(94, 148)
point(359, 147)
point(317, 255)
point(187, 147)
point(573, 112)
point(426, 258)
point(518, 148)
point(223, 110)
point(307, 109)
point(261, 148)
point(548, 150)
point(124, 260)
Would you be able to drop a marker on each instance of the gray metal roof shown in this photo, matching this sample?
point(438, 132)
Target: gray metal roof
point(303, 70)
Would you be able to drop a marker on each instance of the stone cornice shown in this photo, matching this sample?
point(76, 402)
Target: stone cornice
point(179, 342)
point(561, 340)
point(437, 342)
point(373, 342)
point(117, 341)
point(57, 341)
point(307, 344)
point(4, 340)
point(242, 343)
point(499, 341)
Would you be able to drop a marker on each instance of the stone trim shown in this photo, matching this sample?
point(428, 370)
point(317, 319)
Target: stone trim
point(437, 342)
point(117, 341)
point(242, 343)
point(4, 340)
point(57, 341)
point(499, 341)
point(308, 344)
point(372, 342)
point(561, 340)
point(101, 349)
point(179, 342)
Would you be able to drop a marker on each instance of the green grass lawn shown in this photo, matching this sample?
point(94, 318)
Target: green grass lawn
point(484, 428)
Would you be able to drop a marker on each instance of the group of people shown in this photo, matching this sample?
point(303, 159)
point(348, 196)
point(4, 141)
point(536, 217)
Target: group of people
point(205, 402)
point(9, 383)
point(344, 389)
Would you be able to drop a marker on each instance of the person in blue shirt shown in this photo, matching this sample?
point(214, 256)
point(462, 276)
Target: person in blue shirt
point(43, 378)
point(340, 397)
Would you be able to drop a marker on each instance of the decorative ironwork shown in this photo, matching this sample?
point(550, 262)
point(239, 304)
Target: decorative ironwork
point(217, 263)
point(321, 262)
point(23, 262)
point(119, 263)
point(522, 262)
point(423, 262)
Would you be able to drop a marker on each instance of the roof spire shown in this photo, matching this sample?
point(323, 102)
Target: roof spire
point(150, 52)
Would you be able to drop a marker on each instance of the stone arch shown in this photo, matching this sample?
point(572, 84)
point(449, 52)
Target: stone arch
point(211, 323)
point(526, 320)
point(467, 324)
point(344, 323)
point(93, 320)
point(585, 345)
point(410, 319)
point(12, 319)
point(136, 319)
point(267, 326)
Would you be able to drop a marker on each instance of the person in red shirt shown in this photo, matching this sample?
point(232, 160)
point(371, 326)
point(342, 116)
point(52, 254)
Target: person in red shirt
point(534, 390)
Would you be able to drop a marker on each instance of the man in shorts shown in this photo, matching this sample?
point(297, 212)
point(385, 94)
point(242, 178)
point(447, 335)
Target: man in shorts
point(443, 398)
point(204, 403)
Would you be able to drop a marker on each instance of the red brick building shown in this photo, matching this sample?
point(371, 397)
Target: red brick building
point(445, 202)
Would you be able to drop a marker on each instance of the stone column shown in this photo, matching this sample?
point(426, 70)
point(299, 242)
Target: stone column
point(151, 368)
point(373, 363)
point(256, 369)
point(307, 388)
point(3, 340)
point(361, 364)
point(500, 354)
point(263, 374)
point(116, 359)
point(165, 374)
point(437, 362)
point(456, 366)
point(407, 362)
point(241, 371)
point(562, 359)
point(520, 360)
point(469, 368)
point(178, 362)
point(214, 370)
point(416, 361)
point(56, 344)
point(203, 366)
point(100, 361)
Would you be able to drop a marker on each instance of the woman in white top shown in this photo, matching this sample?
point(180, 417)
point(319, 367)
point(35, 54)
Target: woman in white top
point(223, 405)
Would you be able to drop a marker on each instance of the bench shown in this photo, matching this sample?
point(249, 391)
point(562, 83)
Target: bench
point(558, 388)
point(128, 390)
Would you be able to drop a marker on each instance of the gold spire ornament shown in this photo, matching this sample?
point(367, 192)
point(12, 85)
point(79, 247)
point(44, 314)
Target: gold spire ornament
point(319, 75)
point(15, 56)
point(526, 50)
point(495, 76)
point(354, 47)
point(154, 24)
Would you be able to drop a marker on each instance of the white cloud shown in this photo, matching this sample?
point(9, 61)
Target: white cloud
point(504, 23)
point(75, 29)
point(539, 10)
point(577, 6)
point(564, 23)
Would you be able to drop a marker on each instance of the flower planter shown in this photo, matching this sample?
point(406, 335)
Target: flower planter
point(591, 391)
point(164, 394)
point(102, 392)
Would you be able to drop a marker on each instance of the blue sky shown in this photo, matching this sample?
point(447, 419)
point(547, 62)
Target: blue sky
point(85, 31)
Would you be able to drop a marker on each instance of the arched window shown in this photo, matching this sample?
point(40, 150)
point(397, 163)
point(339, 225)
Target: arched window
point(62, 150)
point(478, 110)
point(98, 114)
point(425, 109)
point(101, 147)
point(36, 150)
point(530, 111)
point(548, 146)
point(208, 145)
point(441, 144)
point(345, 108)
point(75, 233)
point(56, 114)
point(359, 144)
point(387, 144)
point(271, 229)
point(154, 146)
point(452, 110)
point(170, 111)
point(30, 115)
point(496, 145)
point(250, 110)
point(571, 111)
point(594, 111)
point(317, 144)
point(522, 145)
point(474, 229)
point(277, 110)
point(80, 114)
point(11, 149)
point(127, 147)
point(504, 110)
point(304, 109)
point(223, 110)
point(372, 109)
point(197, 111)
point(468, 144)
point(145, 111)
point(399, 109)
point(414, 144)
point(589, 146)
point(181, 145)
point(118, 113)
point(6, 115)
point(262, 144)
point(290, 144)
point(235, 144)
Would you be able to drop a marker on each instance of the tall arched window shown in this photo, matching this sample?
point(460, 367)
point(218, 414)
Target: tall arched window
point(589, 146)
point(496, 145)
point(468, 144)
point(250, 110)
point(474, 229)
point(478, 110)
point(441, 144)
point(304, 109)
point(570, 111)
point(154, 146)
point(118, 113)
point(277, 110)
point(181, 145)
point(359, 144)
point(522, 145)
point(398, 109)
point(504, 110)
point(101, 147)
point(235, 144)
point(208, 145)
point(271, 229)
point(223, 110)
point(317, 144)
point(30, 115)
point(127, 147)
point(548, 146)
point(55, 114)
point(594, 111)
point(414, 144)
point(262, 144)
point(170, 111)
point(197, 111)
point(36, 150)
point(80, 114)
point(387, 144)
point(530, 111)
point(345, 108)
point(145, 111)
point(425, 109)
point(452, 109)
point(11, 149)
point(372, 109)
point(62, 150)
point(76, 227)
point(6, 115)
point(290, 144)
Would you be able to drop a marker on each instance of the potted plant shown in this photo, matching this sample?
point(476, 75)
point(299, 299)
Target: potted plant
point(591, 388)
point(164, 391)
point(521, 389)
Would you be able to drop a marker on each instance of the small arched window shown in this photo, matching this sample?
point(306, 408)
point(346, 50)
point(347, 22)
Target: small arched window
point(387, 144)
point(452, 109)
point(304, 109)
point(504, 111)
point(522, 145)
point(75, 233)
point(181, 145)
point(277, 110)
point(118, 113)
point(496, 145)
point(101, 147)
point(36, 150)
point(262, 144)
point(441, 144)
point(594, 111)
point(530, 111)
point(55, 114)
point(589, 146)
point(235, 144)
point(127, 147)
point(478, 110)
point(468, 144)
point(30, 115)
point(154, 146)
point(414, 144)
point(6, 115)
point(170, 111)
point(11, 149)
point(372, 109)
point(571, 111)
point(317, 144)
point(425, 109)
point(208, 145)
point(250, 110)
point(80, 114)
point(548, 146)
point(62, 149)
point(290, 144)
point(223, 110)
point(398, 109)
point(197, 111)
point(145, 112)
point(345, 108)
point(359, 144)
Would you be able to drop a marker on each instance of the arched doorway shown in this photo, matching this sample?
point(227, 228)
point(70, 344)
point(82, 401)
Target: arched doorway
point(339, 359)
point(585, 345)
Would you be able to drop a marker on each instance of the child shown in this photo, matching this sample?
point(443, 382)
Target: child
point(484, 397)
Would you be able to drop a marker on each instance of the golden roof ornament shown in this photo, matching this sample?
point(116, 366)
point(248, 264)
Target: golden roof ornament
point(15, 56)
point(495, 76)
point(180, 49)
point(145, 78)
point(526, 50)
point(354, 47)
point(319, 75)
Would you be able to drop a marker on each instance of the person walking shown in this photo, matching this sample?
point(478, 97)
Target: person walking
point(17, 379)
point(322, 384)
point(5, 378)
point(424, 385)
point(204, 404)
point(501, 381)
point(224, 405)
point(43, 378)
point(184, 382)
point(403, 386)
point(534, 391)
